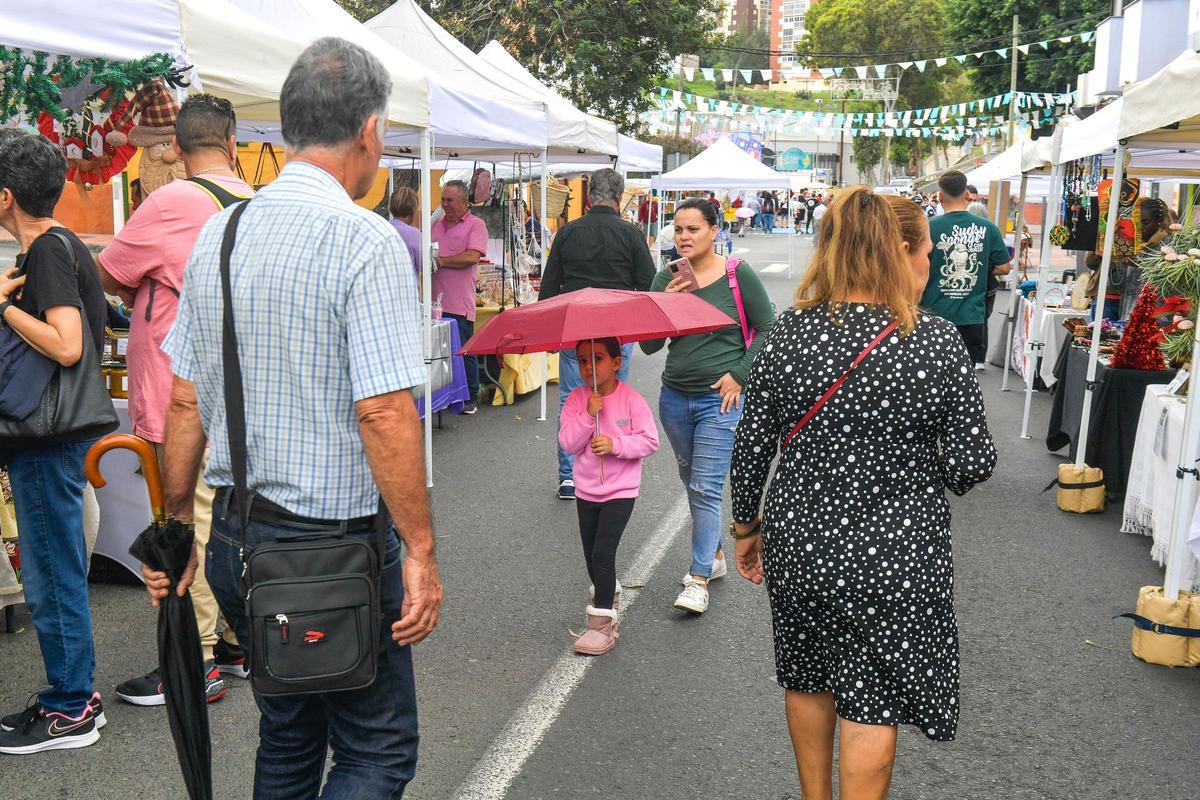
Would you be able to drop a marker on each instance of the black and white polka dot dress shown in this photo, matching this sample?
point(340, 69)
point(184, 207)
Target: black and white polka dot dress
point(856, 533)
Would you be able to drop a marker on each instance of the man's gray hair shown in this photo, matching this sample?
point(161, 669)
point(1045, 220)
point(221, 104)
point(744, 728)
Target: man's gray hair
point(330, 92)
point(457, 184)
point(606, 186)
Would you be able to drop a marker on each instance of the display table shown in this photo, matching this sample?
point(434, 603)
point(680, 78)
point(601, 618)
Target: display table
point(519, 374)
point(1116, 408)
point(1150, 495)
point(453, 395)
point(1052, 334)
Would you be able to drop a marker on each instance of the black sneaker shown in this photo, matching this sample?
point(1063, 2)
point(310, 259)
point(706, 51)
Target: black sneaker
point(230, 659)
point(470, 407)
point(19, 718)
point(144, 691)
point(42, 730)
point(214, 687)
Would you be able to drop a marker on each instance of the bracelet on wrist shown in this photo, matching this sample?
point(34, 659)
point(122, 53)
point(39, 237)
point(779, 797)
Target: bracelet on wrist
point(755, 528)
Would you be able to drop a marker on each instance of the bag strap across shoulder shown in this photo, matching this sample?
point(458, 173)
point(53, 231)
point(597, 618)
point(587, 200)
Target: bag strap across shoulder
point(731, 265)
point(832, 390)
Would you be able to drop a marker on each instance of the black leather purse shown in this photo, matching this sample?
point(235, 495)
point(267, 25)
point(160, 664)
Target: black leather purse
point(312, 600)
point(75, 400)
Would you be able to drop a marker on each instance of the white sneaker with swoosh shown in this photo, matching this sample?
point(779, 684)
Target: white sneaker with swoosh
point(51, 730)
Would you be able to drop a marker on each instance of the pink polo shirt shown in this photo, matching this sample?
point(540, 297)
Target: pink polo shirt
point(457, 286)
point(154, 246)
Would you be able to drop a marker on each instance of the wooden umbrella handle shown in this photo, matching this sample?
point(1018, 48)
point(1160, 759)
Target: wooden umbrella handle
point(145, 453)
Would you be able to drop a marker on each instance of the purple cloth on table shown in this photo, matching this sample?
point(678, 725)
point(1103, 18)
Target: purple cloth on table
point(412, 240)
point(451, 396)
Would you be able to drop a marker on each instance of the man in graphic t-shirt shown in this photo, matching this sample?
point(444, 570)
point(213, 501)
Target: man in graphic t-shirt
point(966, 249)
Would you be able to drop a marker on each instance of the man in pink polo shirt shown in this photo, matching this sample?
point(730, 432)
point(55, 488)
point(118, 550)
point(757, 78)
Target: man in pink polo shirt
point(145, 264)
point(462, 241)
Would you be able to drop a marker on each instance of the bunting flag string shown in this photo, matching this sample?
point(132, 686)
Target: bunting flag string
point(880, 70)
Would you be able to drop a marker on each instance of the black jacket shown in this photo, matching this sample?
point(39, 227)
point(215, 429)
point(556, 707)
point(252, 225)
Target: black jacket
point(599, 250)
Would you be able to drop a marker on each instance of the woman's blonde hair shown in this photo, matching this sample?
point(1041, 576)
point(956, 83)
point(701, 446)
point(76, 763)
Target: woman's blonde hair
point(913, 222)
point(859, 252)
point(403, 202)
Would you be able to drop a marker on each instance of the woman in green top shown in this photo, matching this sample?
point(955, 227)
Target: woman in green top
point(700, 403)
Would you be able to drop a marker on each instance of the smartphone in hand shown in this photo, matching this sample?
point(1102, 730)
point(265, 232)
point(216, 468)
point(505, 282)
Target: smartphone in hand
point(682, 268)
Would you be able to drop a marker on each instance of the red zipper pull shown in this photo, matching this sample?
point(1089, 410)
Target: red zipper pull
point(283, 626)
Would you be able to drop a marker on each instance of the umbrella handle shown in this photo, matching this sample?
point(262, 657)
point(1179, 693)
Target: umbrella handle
point(145, 453)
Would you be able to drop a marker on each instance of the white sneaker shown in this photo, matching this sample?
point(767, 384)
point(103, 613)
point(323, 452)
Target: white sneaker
point(719, 570)
point(980, 366)
point(693, 598)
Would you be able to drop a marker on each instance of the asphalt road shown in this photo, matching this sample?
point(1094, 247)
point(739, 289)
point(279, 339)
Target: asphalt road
point(1053, 704)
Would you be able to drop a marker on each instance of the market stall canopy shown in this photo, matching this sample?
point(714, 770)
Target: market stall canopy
point(232, 54)
point(1164, 109)
point(588, 133)
point(1153, 153)
point(1022, 158)
point(461, 119)
point(638, 156)
point(723, 165)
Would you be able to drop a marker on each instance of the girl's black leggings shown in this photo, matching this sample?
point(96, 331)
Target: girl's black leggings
point(600, 528)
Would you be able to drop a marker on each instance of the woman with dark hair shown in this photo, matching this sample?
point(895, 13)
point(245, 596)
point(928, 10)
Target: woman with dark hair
point(700, 402)
point(854, 539)
point(54, 302)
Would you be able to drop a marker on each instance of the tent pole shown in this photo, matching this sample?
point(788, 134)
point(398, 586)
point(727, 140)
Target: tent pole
point(427, 293)
point(1114, 214)
point(1011, 324)
point(1178, 554)
point(542, 215)
point(791, 222)
point(1033, 346)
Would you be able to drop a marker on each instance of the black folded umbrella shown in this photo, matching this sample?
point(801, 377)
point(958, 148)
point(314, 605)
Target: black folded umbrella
point(167, 547)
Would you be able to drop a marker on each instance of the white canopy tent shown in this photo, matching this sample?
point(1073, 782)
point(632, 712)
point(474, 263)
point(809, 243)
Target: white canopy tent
point(634, 155)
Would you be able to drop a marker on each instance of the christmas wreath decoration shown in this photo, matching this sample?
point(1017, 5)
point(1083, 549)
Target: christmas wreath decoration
point(1174, 270)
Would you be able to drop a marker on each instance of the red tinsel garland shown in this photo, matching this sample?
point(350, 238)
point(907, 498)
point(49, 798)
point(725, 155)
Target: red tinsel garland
point(1138, 348)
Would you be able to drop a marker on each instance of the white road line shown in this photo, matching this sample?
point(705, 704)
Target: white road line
point(774, 268)
point(506, 757)
point(737, 251)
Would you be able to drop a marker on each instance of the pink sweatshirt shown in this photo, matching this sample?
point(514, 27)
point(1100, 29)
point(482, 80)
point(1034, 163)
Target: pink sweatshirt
point(627, 419)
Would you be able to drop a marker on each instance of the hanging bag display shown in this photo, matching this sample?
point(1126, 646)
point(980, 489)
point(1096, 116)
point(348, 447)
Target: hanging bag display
point(75, 400)
point(312, 601)
point(1166, 632)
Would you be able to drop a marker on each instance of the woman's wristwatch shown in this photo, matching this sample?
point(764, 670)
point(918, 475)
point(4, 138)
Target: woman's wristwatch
point(4, 307)
point(755, 529)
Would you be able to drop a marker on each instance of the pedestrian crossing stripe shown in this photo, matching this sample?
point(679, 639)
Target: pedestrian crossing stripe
point(737, 251)
point(774, 268)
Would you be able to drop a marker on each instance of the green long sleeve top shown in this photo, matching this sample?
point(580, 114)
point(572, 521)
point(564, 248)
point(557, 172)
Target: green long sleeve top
point(696, 362)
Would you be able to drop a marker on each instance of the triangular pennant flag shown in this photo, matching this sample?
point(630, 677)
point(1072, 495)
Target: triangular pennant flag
point(905, 64)
point(959, 59)
point(1045, 44)
point(871, 120)
point(826, 72)
point(907, 118)
point(881, 70)
point(862, 73)
point(978, 55)
point(689, 73)
point(677, 95)
point(1024, 48)
point(767, 75)
point(1086, 36)
point(1002, 52)
point(747, 75)
point(837, 71)
point(941, 62)
point(920, 65)
point(727, 74)
point(1007, 98)
point(1065, 38)
point(841, 120)
point(858, 118)
point(962, 108)
point(708, 73)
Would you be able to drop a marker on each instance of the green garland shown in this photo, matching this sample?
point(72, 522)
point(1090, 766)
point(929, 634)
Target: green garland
point(33, 83)
point(1173, 269)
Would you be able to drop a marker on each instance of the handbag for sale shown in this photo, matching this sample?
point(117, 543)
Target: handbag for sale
point(74, 401)
point(312, 601)
point(1165, 631)
point(1080, 489)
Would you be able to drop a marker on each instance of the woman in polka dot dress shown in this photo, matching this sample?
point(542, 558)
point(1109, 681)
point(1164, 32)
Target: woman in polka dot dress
point(854, 539)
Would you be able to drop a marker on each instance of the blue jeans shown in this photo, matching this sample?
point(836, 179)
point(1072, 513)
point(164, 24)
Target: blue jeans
point(47, 484)
point(373, 731)
point(702, 438)
point(768, 221)
point(466, 328)
point(569, 380)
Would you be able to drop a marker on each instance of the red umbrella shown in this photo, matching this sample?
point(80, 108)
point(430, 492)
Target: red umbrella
point(564, 321)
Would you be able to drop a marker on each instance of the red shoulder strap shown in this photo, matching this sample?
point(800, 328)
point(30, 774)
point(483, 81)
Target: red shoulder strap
point(731, 265)
point(817, 406)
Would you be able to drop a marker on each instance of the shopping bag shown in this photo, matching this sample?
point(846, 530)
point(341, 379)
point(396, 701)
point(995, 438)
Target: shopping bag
point(1166, 632)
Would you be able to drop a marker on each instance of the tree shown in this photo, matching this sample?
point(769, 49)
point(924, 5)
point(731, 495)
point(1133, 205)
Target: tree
point(1053, 70)
point(749, 51)
point(363, 10)
point(604, 62)
point(868, 155)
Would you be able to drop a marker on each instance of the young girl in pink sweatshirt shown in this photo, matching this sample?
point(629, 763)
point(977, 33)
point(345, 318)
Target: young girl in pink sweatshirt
point(609, 430)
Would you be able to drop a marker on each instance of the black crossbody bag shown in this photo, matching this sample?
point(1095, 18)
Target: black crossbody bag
point(312, 600)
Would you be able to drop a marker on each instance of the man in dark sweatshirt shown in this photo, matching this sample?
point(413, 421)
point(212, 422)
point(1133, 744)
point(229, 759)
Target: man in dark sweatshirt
point(602, 251)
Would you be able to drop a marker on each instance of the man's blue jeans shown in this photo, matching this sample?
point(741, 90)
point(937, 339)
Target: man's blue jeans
point(48, 486)
point(373, 731)
point(569, 380)
point(702, 438)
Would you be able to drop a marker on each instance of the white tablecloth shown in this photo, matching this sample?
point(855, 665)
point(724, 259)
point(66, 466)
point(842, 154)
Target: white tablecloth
point(1053, 334)
point(1150, 495)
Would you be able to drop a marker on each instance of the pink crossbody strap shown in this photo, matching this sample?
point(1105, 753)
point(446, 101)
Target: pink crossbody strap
point(812, 412)
point(731, 265)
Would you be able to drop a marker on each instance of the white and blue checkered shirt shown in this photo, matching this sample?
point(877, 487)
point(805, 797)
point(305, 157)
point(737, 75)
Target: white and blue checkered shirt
point(326, 314)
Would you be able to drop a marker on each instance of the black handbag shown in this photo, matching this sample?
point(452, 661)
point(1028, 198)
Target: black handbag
point(75, 400)
point(312, 601)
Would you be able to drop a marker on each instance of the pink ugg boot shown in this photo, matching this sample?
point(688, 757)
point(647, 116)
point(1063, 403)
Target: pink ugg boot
point(601, 635)
point(616, 596)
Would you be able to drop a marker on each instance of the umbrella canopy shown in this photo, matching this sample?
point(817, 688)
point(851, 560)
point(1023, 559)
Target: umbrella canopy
point(564, 321)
